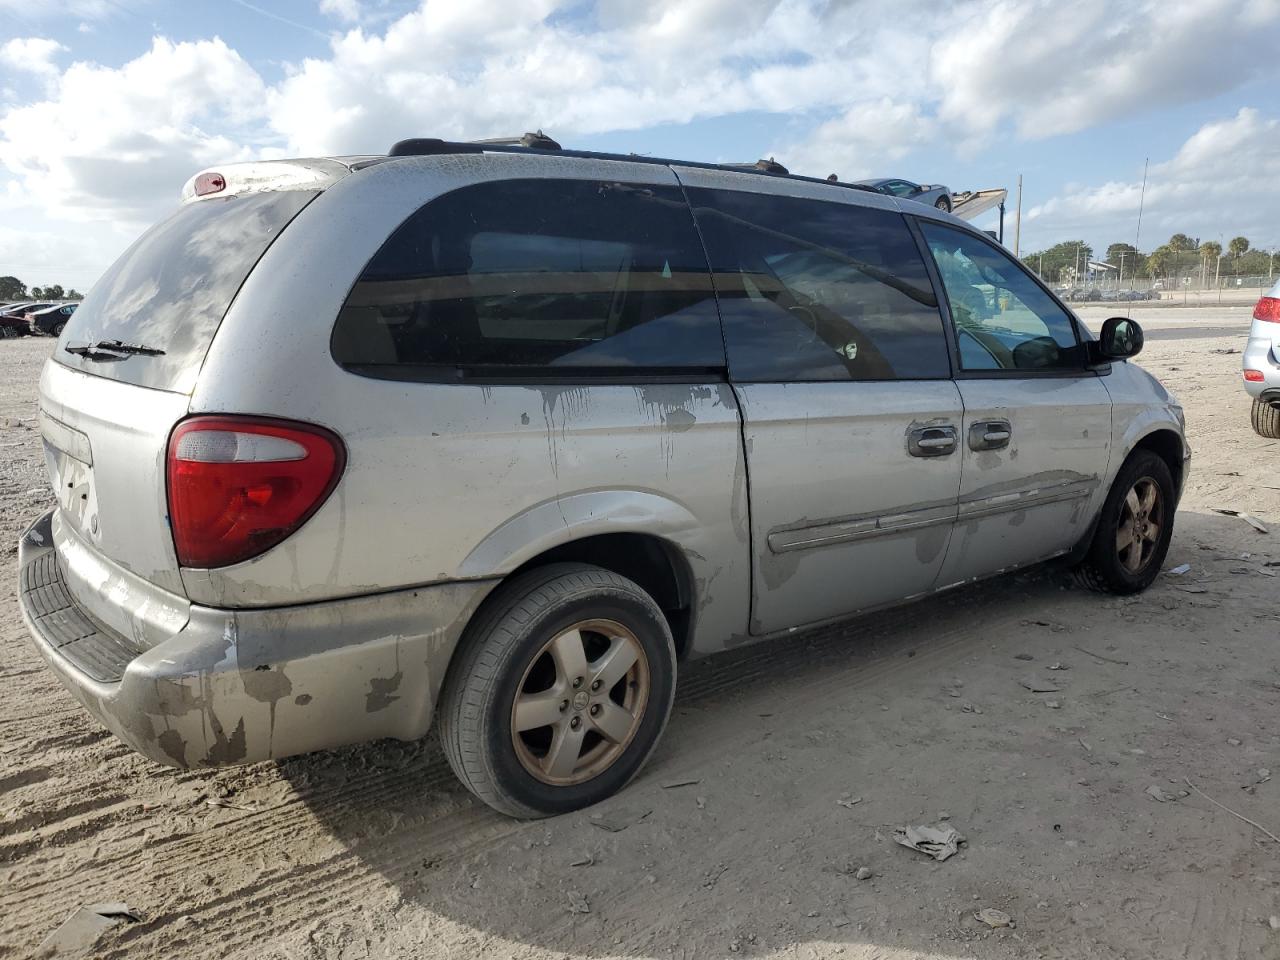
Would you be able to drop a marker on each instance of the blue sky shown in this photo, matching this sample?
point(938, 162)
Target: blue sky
point(107, 106)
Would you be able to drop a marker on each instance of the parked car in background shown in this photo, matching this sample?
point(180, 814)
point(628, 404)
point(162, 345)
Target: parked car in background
point(13, 320)
point(1262, 364)
point(51, 320)
point(503, 437)
point(935, 195)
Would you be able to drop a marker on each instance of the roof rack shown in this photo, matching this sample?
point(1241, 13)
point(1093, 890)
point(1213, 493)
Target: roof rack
point(541, 144)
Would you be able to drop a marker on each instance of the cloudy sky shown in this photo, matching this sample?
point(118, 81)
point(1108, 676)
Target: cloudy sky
point(107, 106)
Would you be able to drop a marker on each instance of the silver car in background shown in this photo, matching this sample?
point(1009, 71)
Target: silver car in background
point(933, 194)
point(1262, 364)
point(500, 436)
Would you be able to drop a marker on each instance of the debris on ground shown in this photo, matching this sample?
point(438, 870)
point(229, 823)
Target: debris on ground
point(619, 818)
point(1246, 517)
point(1098, 656)
point(849, 802)
point(77, 934)
point(1058, 665)
point(1023, 656)
point(863, 873)
point(1274, 922)
point(672, 784)
point(1234, 741)
point(1156, 792)
point(1179, 570)
point(939, 842)
point(1040, 686)
point(993, 918)
point(578, 902)
point(586, 861)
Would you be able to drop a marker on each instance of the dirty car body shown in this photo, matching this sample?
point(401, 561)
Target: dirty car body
point(512, 365)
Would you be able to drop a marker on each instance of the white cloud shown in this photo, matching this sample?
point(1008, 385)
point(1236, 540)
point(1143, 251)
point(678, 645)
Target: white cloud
point(1055, 68)
point(31, 55)
point(118, 143)
point(345, 10)
point(1218, 181)
point(859, 141)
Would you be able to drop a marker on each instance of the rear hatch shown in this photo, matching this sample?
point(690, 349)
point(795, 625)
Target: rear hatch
point(121, 378)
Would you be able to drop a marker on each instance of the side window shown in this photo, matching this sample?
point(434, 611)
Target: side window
point(819, 290)
point(900, 188)
point(511, 277)
point(1003, 319)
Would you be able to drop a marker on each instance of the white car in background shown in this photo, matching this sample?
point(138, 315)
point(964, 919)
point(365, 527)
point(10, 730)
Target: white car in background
point(1262, 364)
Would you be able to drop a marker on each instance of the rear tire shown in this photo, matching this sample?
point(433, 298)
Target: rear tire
point(943, 204)
point(58, 328)
point(1133, 533)
point(1266, 420)
point(535, 652)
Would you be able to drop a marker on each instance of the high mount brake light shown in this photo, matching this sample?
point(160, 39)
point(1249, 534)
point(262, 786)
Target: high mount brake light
point(240, 485)
point(208, 183)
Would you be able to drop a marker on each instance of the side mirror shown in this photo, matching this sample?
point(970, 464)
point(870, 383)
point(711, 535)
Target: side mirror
point(1121, 338)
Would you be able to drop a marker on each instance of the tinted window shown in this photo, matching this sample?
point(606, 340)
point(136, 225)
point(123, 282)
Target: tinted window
point(815, 290)
point(1003, 319)
point(511, 277)
point(170, 289)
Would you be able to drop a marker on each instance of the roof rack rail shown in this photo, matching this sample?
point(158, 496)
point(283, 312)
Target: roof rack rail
point(763, 166)
point(539, 143)
point(422, 146)
point(535, 141)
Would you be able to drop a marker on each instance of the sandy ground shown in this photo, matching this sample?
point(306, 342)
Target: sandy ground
point(912, 716)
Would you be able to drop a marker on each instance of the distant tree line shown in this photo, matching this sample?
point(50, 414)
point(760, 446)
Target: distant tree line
point(11, 289)
point(1181, 256)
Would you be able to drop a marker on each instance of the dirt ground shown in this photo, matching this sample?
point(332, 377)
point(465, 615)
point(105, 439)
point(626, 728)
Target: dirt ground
point(797, 760)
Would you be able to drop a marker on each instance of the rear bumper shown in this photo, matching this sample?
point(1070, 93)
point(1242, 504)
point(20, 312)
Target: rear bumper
point(237, 686)
point(1260, 355)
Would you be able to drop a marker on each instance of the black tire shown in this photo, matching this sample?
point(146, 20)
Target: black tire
point(503, 643)
point(58, 328)
point(1266, 420)
point(944, 204)
point(1102, 568)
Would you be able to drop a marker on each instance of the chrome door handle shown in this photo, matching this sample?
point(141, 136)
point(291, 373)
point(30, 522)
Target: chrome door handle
point(931, 441)
point(990, 434)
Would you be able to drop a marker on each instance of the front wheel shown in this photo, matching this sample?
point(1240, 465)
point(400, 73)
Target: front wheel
point(943, 204)
point(559, 692)
point(1134, 528)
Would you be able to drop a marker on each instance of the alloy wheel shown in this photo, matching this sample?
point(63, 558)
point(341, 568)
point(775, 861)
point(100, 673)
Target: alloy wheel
point(1138, 530)
point(580, 702)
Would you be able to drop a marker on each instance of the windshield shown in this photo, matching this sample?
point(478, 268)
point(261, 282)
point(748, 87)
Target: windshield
point(169, 291)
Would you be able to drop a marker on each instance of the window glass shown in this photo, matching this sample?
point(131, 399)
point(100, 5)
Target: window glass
point(818, 290)
point(900, 188)
point(1003, 319)
point(171, 288)
point(509, 277)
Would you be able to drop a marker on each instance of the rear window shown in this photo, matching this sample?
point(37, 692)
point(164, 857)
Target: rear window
point(170, 289)
point(536, 279)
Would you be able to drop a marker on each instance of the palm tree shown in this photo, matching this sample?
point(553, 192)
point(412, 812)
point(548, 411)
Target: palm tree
point(1238, 247)
point(1209, 250)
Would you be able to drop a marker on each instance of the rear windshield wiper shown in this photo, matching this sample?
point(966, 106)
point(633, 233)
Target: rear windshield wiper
point(112, 350)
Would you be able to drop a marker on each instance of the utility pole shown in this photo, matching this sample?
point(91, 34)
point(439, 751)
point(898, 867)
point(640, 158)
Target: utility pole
point(1017, 220)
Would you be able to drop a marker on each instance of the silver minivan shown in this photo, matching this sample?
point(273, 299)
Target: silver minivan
point(502, 435)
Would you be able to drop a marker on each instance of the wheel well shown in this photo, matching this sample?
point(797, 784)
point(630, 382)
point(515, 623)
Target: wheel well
point(656, 565)
point(1168, 446)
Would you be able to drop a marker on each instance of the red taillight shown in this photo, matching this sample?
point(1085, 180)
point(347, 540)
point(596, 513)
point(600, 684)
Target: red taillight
point(1268, 309)
point(1254, 376)
point(208, 183)
point(240, 485)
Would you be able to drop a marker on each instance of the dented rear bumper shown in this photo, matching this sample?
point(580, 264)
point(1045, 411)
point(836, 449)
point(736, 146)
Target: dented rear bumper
point(236, 686)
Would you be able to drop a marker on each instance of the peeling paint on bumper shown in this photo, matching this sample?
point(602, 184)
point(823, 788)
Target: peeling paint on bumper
point(237, 686)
